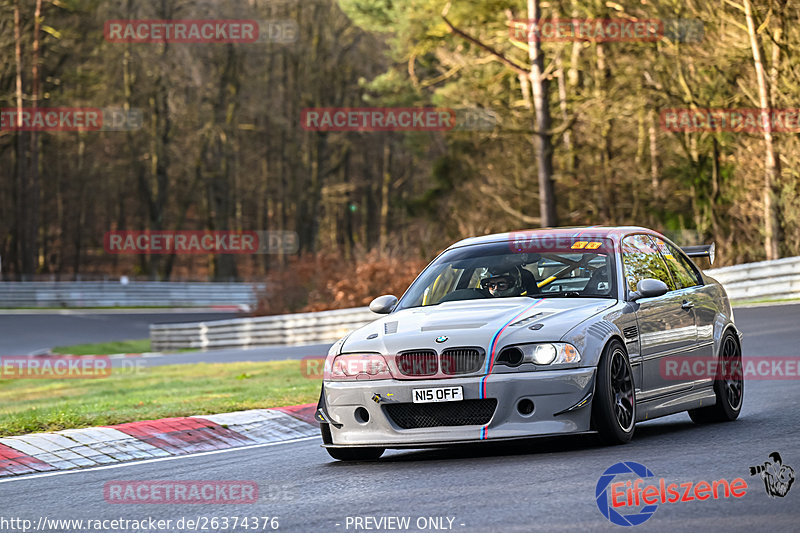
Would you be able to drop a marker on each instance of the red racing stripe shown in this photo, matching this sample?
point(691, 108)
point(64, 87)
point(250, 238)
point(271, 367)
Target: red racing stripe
point(482, 386)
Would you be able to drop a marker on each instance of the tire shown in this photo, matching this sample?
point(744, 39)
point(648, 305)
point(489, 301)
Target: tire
point(728, 388)
point(614, 404)
point(355, 454)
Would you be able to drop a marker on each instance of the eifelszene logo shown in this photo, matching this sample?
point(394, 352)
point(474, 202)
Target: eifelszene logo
point(629, 493)
point(778, 477)
point(608, 508)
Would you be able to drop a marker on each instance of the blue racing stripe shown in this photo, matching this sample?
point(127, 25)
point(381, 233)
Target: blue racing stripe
point(490, 359)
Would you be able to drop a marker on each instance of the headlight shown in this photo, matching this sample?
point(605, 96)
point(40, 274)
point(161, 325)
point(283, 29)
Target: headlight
point(540, 354)
point(352, 366)
point(544, 354)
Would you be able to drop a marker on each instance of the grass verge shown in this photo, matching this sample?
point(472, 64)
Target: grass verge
point(765, 301)
point(32, 405)
point(105, 348)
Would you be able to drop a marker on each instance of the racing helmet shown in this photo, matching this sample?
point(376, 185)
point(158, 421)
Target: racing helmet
point(503, 281)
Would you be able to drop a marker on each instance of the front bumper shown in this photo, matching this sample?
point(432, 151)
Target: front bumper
point(554, 393)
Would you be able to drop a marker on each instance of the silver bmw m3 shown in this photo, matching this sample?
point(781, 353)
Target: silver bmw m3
point(532, 333)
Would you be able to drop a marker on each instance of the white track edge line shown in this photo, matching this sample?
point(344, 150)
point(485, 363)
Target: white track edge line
point(153, 460)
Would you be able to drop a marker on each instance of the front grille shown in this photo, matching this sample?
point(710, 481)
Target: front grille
point(417, 363)
point(430, 415)
point(461, 360)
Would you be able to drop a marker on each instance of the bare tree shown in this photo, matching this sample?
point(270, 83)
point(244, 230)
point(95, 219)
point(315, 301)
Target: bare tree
point(771, 161)
point(22, 216)
point(542, 138)
point(543, 141)
point(32, 233)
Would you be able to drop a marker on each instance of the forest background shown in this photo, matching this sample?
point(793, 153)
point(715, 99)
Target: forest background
point(574, 135)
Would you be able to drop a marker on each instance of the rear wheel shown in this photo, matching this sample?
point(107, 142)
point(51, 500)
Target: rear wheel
point(728, 387)
point(355, 454)
point(614, 404)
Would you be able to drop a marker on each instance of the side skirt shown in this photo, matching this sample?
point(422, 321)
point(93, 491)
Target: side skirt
point(675, 403)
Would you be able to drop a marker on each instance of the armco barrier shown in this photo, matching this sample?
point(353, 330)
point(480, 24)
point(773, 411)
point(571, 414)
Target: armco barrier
point(774, 280)
point(115, 294)
point(767, 280)
point(299, 328)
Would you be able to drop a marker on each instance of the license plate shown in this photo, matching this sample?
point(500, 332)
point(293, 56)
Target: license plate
point(437, 394)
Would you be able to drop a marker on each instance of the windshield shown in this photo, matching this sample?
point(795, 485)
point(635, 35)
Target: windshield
point(578, 269)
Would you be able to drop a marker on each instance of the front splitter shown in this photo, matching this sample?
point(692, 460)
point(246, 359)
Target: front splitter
point(446, 444)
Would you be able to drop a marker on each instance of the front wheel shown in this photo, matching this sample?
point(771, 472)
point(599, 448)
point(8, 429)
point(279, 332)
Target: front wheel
point(728, 387)
point(355, 454)
point(614, 404)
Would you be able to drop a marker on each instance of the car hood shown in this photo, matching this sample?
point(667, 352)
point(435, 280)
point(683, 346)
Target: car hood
point(474, 323)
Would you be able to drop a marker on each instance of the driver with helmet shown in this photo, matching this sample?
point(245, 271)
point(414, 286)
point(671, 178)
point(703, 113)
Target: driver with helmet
point(503, 282)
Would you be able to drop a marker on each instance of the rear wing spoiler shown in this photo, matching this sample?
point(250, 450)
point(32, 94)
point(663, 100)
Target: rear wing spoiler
point(704, 250)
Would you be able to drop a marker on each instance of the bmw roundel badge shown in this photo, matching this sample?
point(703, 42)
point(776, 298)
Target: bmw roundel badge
point(441, 339)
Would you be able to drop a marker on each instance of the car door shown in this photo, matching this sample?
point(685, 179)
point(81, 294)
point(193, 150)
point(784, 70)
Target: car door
point(666, 328)
point(696, 297)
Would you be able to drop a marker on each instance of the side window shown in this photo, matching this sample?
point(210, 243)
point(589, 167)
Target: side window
point(642, 260)
point(684, 274)
point(685, 261)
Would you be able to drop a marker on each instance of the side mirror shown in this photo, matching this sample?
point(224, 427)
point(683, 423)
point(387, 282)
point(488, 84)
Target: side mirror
point(383, 305)
point(649, 288)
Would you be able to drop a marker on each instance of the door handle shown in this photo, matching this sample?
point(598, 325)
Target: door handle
point(687, 305)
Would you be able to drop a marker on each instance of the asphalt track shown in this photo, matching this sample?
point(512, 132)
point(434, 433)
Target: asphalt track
point(534, 485)
point(258, 354)
point(25, 333)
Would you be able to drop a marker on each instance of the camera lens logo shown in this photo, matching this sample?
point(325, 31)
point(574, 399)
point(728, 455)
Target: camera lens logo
point(778, 477)
point(604, 500)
